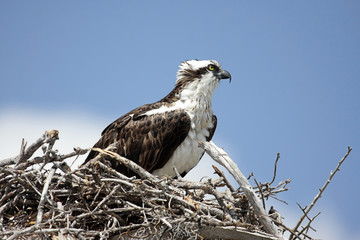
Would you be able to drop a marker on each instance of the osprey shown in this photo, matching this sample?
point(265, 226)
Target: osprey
point(164, 134)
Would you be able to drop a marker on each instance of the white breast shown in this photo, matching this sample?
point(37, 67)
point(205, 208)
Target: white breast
point(186, 156)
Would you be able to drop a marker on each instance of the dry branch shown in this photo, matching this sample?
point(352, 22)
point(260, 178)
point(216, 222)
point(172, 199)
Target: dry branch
point(221, 157)
point(321, 190)
point(226, 181)
point(25, 154)
point(43, 195)
point(130, 164)
point(275, 167)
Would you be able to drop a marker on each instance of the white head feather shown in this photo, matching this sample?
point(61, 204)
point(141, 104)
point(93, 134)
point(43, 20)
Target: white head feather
point(194, 65)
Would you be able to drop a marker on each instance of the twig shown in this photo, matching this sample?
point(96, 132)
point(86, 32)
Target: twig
point(166, 223)
point(52, 136)
point(178, 176)
point(130, 164)
point(275, 166)
point(16, 234)
point(261, 193)
point(29, 162)
point(22, 150)
point(279, 200)
point(112, 171)
point(221, 157)
point(226, 181)
point(43, 196)
point(24, 155)
point(107, 197)
point(321, 190)
point(309, 224)
point(287, 228)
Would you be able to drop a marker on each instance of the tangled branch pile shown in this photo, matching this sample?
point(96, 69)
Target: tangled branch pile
point(41, 198)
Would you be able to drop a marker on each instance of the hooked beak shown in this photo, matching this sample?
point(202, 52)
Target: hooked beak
point(223, 74)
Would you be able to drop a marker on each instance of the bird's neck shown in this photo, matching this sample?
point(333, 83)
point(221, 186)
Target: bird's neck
point(195, 99)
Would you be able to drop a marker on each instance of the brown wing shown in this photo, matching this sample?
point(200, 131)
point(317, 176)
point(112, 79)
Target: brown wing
point(147, 140)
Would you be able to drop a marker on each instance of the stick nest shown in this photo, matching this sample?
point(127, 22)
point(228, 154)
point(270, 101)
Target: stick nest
point(41, 198)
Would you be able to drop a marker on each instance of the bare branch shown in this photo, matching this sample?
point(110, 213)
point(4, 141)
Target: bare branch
point(43, 196)
point(24, 155)
point(261, 193)
point(128, 163)
point(226, 181)
point(221, 157)
point(321, 190)
point(275, 166)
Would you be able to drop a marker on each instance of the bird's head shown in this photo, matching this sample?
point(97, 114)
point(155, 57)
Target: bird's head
point(200, 77)
point(201, 69)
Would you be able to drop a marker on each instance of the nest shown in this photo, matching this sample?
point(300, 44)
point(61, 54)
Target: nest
point(41, 198)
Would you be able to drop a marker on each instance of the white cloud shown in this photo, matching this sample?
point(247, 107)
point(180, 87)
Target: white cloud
point(83, 130)
point(75, 130)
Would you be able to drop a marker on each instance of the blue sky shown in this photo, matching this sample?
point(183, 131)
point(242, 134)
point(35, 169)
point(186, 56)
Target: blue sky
point(295, 89)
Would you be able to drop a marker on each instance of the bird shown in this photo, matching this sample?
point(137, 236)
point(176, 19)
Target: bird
point(165, 134)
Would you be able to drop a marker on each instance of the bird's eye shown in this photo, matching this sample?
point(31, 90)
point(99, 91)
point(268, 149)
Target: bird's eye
point(211, 67)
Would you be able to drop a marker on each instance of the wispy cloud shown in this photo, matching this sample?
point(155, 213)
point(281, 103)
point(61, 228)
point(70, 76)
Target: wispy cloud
point(75, 130)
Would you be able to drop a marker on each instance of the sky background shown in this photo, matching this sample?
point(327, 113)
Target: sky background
point(76, 66)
